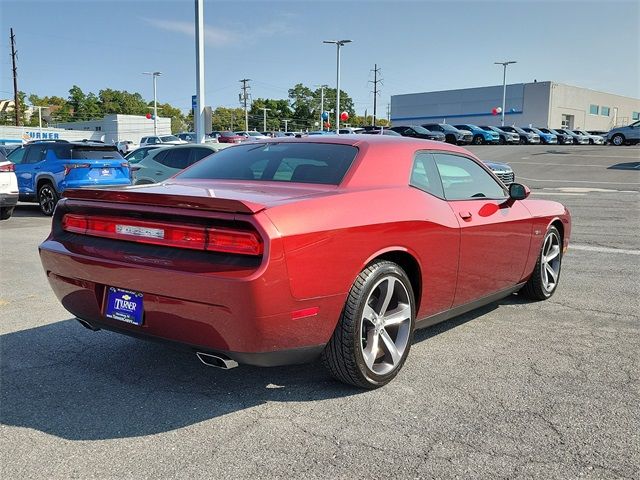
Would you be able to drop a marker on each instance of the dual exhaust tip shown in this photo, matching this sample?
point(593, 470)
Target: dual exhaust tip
point(208, 359)
point(217, 361)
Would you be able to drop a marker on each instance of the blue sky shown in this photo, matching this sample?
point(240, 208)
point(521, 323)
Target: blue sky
point(419, 46)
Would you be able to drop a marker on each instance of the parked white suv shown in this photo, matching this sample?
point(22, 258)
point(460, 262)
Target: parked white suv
point(161, 139)
point(8, 188)
point(126, 146)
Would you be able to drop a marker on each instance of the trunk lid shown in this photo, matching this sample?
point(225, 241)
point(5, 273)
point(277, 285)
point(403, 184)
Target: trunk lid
point(219, 195)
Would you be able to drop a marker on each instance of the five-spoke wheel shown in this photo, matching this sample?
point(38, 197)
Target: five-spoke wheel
point(373, 336)
point(546, 274)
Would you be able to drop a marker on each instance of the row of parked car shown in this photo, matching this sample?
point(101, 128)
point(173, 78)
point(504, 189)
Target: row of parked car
point(466, 133)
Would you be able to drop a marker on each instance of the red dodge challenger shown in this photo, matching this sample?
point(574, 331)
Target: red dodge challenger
point(279, 251)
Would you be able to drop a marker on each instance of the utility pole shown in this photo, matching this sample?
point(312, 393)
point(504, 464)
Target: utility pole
point(245, 87)
point(375, 91)
point(16, 106)
point(264, 118)
point(286, 124)
point(155, 75)
point(338, 44)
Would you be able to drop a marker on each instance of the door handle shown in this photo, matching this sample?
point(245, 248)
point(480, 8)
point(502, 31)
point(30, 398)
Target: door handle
point(465, 215)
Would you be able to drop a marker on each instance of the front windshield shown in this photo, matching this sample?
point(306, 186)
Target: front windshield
point(255, 134)
point(446, 126)
point(419, 129)
point(488, 129)
point(169, 138)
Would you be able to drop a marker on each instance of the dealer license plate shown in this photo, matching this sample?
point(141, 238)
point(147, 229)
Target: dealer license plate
point(124, 305)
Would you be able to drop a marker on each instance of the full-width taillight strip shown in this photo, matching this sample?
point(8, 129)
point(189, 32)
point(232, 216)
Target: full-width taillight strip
point(194, 237)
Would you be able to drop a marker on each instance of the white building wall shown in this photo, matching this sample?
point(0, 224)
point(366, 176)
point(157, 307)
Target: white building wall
point(114, 128)
point(12, 134)
point(575, 101)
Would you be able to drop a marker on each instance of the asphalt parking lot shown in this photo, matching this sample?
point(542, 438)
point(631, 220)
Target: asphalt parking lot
point(514, 390)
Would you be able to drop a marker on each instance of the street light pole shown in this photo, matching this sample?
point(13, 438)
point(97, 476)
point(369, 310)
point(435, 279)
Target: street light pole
point(338, 43)
point(198, 121)
point(264, 118)
point(155, 100)
point(504, 85)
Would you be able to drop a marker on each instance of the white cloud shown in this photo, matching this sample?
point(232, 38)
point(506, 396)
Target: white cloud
point(218, 37)
point(215, 37)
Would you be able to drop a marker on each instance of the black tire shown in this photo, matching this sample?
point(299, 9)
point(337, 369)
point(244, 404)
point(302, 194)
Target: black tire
point(343, 355)
point(535, 288)
point(523, 141)
point(502, 140)
point(451, 139)
point(47, 198)
point(6, 212)
point(617, 140)
point(478, 140)
point(591, 142)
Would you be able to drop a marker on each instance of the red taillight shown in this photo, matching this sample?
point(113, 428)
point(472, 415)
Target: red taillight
point(71, 166)
point(194, 237)
point(9, 167)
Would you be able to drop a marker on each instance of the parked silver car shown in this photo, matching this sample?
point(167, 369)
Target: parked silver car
point(628, 135)
point(577, 139)
point(593, 139)
point(165, 162)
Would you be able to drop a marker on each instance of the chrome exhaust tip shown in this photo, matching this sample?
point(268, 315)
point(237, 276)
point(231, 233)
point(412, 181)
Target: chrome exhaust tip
point(217, 361)
point(87, 325)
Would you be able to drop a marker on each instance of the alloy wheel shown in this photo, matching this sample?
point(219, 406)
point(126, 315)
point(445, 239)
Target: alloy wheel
point(47, 199)
point(386, 325)
point(550, 261)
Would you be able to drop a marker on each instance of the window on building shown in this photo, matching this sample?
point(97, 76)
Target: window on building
point(604, 111)
point(635, 116)
point(593, 109)
point(98, 129)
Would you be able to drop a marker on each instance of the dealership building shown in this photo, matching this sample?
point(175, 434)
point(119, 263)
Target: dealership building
point(541, 104)
point(115, 127)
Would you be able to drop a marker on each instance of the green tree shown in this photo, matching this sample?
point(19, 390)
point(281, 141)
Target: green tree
point(122, 102)
point(178, 121)
point(224, 118)
point(278, 111)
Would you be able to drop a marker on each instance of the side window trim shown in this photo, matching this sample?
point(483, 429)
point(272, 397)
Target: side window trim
point(434, 172)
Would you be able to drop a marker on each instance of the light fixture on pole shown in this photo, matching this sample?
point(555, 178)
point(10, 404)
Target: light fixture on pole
point(338, 43)
point(504, 85)
point(155, 100)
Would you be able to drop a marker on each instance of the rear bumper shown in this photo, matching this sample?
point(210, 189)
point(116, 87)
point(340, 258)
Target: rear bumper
point(247, 316)
point(8, 199)
point(275, 358)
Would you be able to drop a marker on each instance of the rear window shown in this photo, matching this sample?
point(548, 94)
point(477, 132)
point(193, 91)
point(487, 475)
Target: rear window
point(319, 163)
point(81, 152)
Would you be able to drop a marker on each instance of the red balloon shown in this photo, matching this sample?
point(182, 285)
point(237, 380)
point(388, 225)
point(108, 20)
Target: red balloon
point(148, 115)
point(494, 111)
point(344, 116)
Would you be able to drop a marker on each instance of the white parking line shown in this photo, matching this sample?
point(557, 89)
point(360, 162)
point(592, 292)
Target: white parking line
point(558, 164)
point(577, 181)
point(559, 193)
point(589, 248)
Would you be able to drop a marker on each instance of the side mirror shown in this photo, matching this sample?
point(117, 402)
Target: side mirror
point(518, 191)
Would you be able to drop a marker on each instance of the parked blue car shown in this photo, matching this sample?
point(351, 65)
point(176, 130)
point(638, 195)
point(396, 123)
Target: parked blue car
point(47, 168)
point(480, 135)
point(546, 138)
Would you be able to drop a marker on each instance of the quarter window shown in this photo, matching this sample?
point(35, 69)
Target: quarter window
point(424, 175)
point(464, 179)
point(594, 109)
point(604, 111)
point(635, 116)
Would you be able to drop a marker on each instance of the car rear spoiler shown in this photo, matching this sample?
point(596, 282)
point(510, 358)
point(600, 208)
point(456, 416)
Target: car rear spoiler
point(199, 201)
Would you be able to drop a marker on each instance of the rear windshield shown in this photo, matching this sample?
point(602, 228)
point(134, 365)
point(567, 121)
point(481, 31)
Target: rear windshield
point(89, 152)
point(319, 163)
